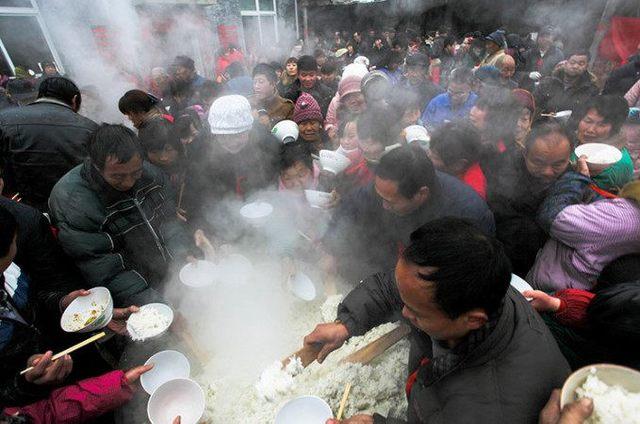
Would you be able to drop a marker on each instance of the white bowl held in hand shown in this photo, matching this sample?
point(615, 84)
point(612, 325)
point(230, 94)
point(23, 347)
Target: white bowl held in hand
point(333, 162)
point(200, 274)
point(520, 285)
point(182, 396)
point(305, 409)
point(167, 365)
point(610, 374)
point(318, 199)
point(88, 313)
point(256, 213)
point(600, 156)
point(151, 321)
point(302, 286)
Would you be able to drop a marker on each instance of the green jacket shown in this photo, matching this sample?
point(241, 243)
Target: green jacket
point(124, 241)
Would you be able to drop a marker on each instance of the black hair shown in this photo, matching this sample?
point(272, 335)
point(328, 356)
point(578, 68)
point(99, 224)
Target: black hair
point(291, 153)
point(449, 40)
point(621, 270)
point(614, 110)
point(456, 140)
point(185, 120)
point(408, 166)
point(374, 123)
point(8, 229)
point(111, 140)
point(209, 89)
point(156, 133)
point(544, 129)
point(277, 66)
point(461, 76)
point(319, 53)
point(291, 60)
point(307, 64)
point(329, 67)
point(503, 112)
point(579, 52)
point(136, 101)
point(480, 280)
point(266, 70)
point(392, 57)
point(184, 62)
point(60, 88)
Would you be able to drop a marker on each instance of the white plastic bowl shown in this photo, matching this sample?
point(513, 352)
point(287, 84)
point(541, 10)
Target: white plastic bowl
point(600, 156)
point(302, 286)
point(333, 162)
point(163, 310)
point(167, 365)
point(563, 114)
point(182, 396)
point(96, 307)
point(318, 199)
point(304, 410)
point(202, 274)
point(520, 284)
point(256, 213)
point(612, 375)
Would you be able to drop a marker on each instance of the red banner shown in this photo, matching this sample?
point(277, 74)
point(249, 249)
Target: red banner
point(622, 39)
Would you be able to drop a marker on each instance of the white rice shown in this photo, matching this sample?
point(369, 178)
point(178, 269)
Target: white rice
point(148, 322)
point(612, 404)
point(377, 387)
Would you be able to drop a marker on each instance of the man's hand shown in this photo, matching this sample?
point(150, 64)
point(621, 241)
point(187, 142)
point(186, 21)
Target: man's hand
point(335, 200)
point(177, 420)
point(573, 413)
point(535, 75)
point(582, 167)
point(134, 374)
point(541, 301)
point(204, 244)
point(330, 336)
point(356, 419)
point(48, 372)
point(118, 323)
point(66, 301)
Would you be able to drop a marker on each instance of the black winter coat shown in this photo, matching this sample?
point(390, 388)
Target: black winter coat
point(365, 238)
point(552, 95)
point(506, 379)
point(40, 143)
point(622, 79)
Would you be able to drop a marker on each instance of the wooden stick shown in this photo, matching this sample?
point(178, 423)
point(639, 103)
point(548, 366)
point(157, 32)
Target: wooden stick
point(343, 402)
point(378, 346)
point(307, 355)
point(180, 194)
point(71, 349)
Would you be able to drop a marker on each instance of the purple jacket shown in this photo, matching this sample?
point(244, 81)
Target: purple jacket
point(584, 239)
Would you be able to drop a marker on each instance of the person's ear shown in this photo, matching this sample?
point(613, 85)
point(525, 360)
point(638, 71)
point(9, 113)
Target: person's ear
point(75, 106)
point(422, 195)
point(475, 319)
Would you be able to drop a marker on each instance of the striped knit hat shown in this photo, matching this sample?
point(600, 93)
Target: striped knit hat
point(307, 109)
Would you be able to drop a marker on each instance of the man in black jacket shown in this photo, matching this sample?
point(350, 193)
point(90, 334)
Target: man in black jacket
point(479, 352)
point(43, 140)
point(620, 80)
point(373, 223)
point(308, 82)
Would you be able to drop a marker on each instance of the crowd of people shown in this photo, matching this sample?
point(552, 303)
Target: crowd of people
point(462, 172)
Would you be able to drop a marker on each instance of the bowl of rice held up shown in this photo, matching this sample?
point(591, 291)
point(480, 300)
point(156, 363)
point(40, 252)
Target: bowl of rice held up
point(614, 389)
point(151, 321)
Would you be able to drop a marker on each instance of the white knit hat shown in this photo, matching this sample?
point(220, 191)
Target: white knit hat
point(230, 115)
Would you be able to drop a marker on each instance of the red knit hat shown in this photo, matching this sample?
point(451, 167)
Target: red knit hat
point(307, 109)
point(525, 98)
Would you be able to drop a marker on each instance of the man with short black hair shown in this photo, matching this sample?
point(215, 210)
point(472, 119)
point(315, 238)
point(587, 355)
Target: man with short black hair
point(479, 352)
point(373, 223)
point(117, 218)
point(185, 71)
point(308, 82)
point(568, 87)
point(540, 60)
point(43, 140)
point(265, 98)
point(328, 74)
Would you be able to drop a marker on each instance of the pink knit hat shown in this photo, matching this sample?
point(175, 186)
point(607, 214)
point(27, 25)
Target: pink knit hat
point(349, 84)
point(307, 109)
